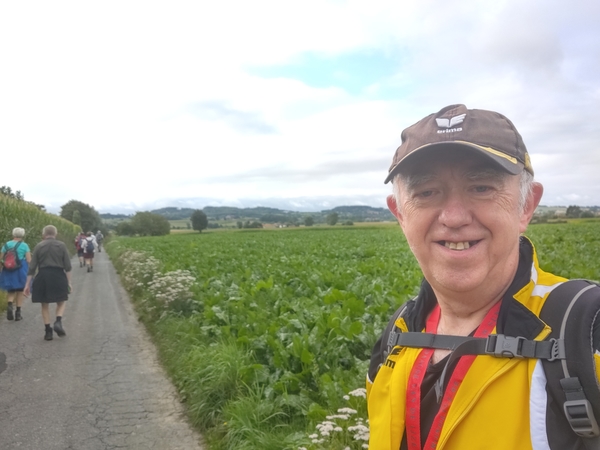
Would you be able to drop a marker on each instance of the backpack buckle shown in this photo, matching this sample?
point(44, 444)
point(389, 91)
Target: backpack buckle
point(502, 346)
point(558, 349)
point(581, 418)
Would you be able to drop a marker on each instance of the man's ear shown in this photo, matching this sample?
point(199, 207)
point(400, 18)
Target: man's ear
point(393, 206)
point(537, 190)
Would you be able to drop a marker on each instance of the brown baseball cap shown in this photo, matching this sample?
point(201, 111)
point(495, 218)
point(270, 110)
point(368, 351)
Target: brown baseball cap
point(487, 132)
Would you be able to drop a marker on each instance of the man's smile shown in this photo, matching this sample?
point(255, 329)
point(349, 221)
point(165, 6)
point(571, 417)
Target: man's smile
point(458, 245)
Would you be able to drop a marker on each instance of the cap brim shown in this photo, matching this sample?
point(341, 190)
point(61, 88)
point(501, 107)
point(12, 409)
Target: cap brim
point(506, 162)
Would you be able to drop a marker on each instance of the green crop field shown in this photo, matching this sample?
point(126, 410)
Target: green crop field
point(266, 332)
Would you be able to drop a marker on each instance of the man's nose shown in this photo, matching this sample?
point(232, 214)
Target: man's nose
point(455, 211)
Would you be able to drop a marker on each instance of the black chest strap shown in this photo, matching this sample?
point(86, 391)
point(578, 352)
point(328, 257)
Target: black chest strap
point(497, 345)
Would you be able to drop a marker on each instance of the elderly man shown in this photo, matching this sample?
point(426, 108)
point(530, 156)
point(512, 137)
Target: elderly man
point(51, 266)
point(463, 192)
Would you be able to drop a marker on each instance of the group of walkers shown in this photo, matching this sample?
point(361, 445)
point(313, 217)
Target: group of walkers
point(45, 273)
point(87, 244)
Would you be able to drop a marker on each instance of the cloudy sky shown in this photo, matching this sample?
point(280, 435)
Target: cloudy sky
point(129, 105)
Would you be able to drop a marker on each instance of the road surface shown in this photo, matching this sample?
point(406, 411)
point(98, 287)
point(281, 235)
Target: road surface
point(100, 387)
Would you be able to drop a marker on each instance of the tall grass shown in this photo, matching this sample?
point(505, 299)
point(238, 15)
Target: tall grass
point(17, 213)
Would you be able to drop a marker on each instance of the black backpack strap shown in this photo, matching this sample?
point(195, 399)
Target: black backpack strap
point(571, 310)
point(382, 349)
point(391, 333)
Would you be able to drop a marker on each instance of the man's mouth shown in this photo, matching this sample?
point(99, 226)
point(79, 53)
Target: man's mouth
point(461, 245)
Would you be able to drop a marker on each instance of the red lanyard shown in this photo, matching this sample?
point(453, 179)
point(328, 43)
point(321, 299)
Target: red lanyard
point(413, 393)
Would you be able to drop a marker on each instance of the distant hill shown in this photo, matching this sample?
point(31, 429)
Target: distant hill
point(173, 213)
point(114, 216)
point(355, 213)
point(271, 215)
point(361, 213)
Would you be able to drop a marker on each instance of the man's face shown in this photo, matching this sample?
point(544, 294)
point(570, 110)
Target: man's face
point(462, 219)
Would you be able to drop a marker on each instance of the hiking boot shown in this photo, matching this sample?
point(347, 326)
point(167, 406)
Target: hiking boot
point(9, 312)
point(91, 268)
point(18, 315)
point(48, 335)
point(88, 269)
point(59, 328)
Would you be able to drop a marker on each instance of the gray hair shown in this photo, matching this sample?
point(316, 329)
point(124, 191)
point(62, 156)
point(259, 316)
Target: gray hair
point(49, 231)
point(18, 232)
point(525, 187)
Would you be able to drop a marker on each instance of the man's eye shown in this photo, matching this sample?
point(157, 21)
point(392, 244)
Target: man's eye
point(425, 194)
point(482, 188)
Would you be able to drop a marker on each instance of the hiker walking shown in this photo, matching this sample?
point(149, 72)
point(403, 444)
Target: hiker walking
point(99, 239)
point(51, 266)
point(89, 245)
point(78, 241)
point(15, 256)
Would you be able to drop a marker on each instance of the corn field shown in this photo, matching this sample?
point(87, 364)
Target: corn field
point(17, 213)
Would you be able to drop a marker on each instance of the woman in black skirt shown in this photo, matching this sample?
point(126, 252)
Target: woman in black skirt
point(52, 283)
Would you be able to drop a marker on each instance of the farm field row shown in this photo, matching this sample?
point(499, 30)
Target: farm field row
point(265, 332)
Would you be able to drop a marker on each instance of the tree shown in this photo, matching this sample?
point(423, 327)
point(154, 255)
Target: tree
point(573, 211)
point(199, 220)
point(309, 221)
point(90, 219)
point(332, 218)
point(8, 192)
point(587, 215)
point(253, 224)
point(124, 229)
point(149, 224)
point(76, 218)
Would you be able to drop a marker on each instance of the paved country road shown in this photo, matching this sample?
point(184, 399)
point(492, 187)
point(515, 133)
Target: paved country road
point(98, 388)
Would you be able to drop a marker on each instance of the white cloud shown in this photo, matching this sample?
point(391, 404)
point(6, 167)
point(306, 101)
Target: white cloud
point(162, 96)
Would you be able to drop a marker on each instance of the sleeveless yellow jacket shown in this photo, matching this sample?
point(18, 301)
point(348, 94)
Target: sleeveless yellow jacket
point(502, 403)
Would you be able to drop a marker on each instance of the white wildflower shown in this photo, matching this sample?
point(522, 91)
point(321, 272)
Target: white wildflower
point(360, 392)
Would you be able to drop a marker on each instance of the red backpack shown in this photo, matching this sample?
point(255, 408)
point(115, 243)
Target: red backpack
point(11, 260)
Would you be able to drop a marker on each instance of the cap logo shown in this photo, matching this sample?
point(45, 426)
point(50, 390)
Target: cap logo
point(443, 122)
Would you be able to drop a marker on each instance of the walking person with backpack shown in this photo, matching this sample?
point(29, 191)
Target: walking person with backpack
point(99, 239)
point(15, 256)
point(51, 266)
point(89, 248)
point(78, 241)
point(494, 353)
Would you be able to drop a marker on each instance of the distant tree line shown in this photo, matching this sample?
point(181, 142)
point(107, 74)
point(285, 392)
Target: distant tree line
point(249, 224)
point(144, 224)
point(357, 213)
point(572, 212)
